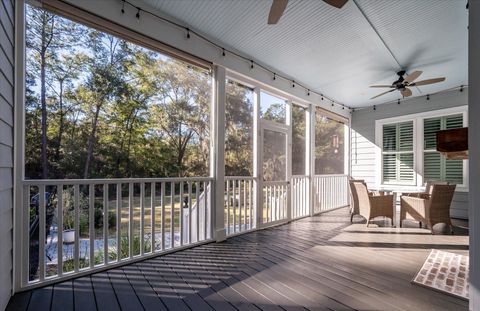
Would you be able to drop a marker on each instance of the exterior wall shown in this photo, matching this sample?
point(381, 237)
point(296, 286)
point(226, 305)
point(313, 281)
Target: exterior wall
point(6, 147)
point(474, 150)
point(363, 136)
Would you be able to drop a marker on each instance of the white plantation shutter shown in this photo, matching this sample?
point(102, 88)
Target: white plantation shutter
point(436, 166)
point(398, 160)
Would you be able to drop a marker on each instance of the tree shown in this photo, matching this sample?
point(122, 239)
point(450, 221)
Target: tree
point(298, 140)
point(239, 130)
point(329, 145)
point(44, 38)
point(104, 107)
point(106, 68)
point(182, 113)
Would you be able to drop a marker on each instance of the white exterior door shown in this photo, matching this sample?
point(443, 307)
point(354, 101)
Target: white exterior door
point(274, 207)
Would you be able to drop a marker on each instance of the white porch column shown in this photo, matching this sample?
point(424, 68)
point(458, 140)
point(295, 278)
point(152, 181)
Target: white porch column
point(289, 158)
point(217, 158)
point(257, 160)
point(474, 151)
point(310, 154)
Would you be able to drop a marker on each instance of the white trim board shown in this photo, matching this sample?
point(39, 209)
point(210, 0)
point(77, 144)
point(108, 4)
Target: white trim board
point(417, 119)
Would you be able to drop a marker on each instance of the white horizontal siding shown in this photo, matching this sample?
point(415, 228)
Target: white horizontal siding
point(6, 148)
point(363, 137)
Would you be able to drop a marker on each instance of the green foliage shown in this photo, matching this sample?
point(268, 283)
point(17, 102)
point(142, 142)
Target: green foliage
point(124, 247)
point(329, 145)
point(110, 108)
point(239, 130)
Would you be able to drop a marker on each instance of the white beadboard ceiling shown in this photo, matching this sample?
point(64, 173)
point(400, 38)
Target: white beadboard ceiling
point(340, 52)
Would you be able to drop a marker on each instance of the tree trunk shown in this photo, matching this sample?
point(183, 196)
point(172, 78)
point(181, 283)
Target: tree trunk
point(43, 102)
point(91, 140)
point(61, 123)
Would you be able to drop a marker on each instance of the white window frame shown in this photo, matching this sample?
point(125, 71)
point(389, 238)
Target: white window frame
point(418, 142)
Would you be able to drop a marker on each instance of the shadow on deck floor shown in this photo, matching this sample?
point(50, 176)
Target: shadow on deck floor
point(317, 263)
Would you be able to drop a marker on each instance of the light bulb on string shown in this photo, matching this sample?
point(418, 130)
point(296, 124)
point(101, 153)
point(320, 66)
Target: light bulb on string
point(138, 14)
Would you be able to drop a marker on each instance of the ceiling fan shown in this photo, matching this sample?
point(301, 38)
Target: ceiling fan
point(403, 83)
point(278, 7)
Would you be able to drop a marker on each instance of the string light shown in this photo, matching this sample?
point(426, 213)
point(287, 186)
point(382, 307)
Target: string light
point(333, 104)
point(343, 107)
point(461, 88)
point(138, 13)
point(207, 40)
point(398, 102)
point(374, 107)
point(428, 97)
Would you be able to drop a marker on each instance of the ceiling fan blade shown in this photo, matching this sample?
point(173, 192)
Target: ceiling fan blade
point(428, 81)
point(406, 92)
point(336, 3)
point(414, 75)
point(276, 11)
point(390, 86)
point(382, 93)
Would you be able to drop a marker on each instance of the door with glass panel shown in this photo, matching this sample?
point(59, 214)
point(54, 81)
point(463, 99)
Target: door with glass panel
point(275, 167)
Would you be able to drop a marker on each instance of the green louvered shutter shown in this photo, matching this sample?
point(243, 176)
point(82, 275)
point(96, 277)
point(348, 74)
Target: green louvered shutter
point(436, 166)
point(389, 168)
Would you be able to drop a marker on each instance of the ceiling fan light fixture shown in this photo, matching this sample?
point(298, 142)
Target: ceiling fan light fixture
point(402, 84)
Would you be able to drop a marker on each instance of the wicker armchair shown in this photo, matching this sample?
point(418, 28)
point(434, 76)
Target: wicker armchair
point(428, 189)
point(354, 198)
point(369, 205)
point(431, 209)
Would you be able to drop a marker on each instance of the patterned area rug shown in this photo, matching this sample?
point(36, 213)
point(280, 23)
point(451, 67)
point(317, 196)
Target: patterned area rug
point(445, 272)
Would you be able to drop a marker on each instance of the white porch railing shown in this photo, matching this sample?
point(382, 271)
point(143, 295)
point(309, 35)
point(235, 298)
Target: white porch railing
point(239, 209)
point(84, 225)
point(80, 226)
point(275, 202)
point(330, 191)
point(300, 196)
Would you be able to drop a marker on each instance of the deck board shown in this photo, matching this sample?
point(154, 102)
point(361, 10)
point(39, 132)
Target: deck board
point(317, 263)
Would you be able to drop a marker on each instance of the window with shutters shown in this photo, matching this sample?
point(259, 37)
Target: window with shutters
point(397, 153)
point(435, 165)
point(407, 153)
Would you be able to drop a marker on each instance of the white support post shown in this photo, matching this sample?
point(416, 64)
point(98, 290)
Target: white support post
point(311, 157)
point(20, 212)
point(257, 160)
point(289, 158)
point(348, 154)
point(217, 165)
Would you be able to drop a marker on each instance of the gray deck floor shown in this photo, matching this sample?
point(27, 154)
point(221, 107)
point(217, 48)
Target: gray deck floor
point(318, 263)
